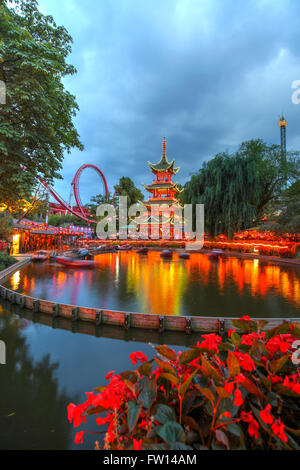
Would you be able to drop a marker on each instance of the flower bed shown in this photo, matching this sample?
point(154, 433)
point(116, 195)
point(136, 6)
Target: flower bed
point(238, 392)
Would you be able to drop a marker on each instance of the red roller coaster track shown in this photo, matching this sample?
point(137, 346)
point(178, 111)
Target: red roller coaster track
point(75, 183)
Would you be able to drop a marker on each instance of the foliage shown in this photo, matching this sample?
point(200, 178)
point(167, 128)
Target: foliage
point(36, 125)
point(64, 220)
point(236, 188)
point(98, 200)
point(6, 225)
point(240, 392)
point(34, 207)
point(126, 187)
point(6, 260)
point(284, 212)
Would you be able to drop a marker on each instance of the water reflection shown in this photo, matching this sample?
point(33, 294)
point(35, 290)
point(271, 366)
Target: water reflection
point(32, 405)
point(148, 283)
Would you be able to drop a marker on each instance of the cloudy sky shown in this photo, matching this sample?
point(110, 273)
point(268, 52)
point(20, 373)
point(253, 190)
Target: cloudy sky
point(206, 74)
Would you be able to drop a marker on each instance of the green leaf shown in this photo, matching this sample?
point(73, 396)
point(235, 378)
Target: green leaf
point(281, 329)
point(222, 438)
point(147, 392)
point(235, 338)
point(164, 414)
point(166, 352)
point(134, 411)
point(100, 389)
point(188, 356)
point(165, 366)
point(183, 387)
point(222, 392)
point(207, 393)
point(95, 409)
point(180, 446)
point(211, 352)
point(234, 429)
point(245, 325)
point(250, 386)
point(233, 364)
point(130, 385)
point(171, 432)
point(145, 369)
point(277, 364)
point(171, 378)
point(208, 370)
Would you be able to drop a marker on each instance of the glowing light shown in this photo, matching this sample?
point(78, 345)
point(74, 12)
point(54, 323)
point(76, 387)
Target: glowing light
point(15, 280)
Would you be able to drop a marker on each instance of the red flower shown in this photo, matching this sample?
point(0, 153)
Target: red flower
point(278, 429)
point(253, 424)
point(238, 398)
point(70, 409)
point(75, 413)
point(137, 356)
point(245, 361)
point(227, 414)
point(245, 317)
point(137, 445)
point(109, 375)
point(210, 341)
point(104, 420)
point(253, 429)
point(229, 387)
point(79, 437)
point(266, 415)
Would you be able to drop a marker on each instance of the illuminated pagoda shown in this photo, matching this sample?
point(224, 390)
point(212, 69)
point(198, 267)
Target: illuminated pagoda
point(163, 190)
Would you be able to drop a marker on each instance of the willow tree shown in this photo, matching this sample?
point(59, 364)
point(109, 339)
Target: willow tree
point(36, 122)
point(236, 188)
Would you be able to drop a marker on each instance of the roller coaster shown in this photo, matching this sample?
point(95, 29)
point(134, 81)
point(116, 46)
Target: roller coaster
point(79, 211)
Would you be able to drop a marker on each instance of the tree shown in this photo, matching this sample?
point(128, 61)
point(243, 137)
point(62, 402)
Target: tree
point(58, 220)
point(97, 201)
point(283, 214)
point(36, 127)
point(6, 226)
point(34, 207)
point(236, 188)
point(126, 187)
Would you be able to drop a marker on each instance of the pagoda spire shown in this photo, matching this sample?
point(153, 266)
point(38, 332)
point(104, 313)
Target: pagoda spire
point(164, 146)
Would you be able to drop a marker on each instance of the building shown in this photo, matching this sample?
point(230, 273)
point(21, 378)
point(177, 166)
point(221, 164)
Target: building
point(163, 194)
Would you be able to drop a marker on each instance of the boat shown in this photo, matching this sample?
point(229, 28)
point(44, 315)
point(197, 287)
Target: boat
point(166, 254)
point(184, 255)
point(74, 262)
point(123, 247)
point(77, 253)
point(142, 250)
point(214, 254)
point(40, 256)
point(52, 255)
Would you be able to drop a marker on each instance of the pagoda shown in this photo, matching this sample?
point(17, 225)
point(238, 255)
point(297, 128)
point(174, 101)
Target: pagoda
point(163, 191)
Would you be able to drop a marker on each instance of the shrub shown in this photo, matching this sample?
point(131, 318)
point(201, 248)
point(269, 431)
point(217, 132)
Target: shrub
point(6, 260)
point(240, 392)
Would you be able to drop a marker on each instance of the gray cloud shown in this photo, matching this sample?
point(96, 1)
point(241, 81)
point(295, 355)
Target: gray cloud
point(207, 74)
